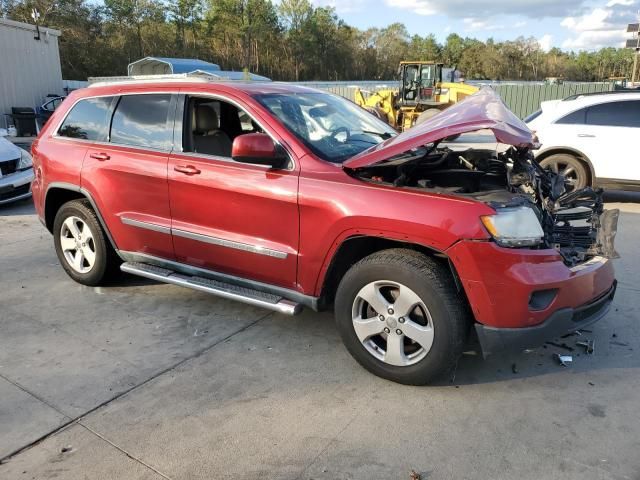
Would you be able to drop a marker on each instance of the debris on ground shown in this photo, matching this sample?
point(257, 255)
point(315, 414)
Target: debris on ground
point(564, 359)
point(572, 334)
point(415, 475)
point(620, 344)
point(561, 345)
point(66, 449)
point(591, 383)
point(589, 346)
point(514, 368)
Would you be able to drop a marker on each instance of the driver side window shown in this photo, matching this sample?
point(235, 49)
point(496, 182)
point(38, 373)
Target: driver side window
point(211, 126)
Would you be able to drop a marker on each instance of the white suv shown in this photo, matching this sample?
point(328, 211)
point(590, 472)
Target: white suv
point(592, 139)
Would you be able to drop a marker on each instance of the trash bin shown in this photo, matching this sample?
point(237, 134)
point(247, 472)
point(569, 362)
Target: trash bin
point(24, 118)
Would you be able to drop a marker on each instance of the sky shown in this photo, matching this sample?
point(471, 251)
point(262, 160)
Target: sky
point(567, 24)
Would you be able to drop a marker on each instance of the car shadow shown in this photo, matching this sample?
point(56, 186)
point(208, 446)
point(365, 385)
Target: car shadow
point(21, 207)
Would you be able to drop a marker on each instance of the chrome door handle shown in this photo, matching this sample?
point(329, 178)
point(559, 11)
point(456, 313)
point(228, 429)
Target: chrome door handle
point(187, 169)
point(100, 156)
point(586, 135)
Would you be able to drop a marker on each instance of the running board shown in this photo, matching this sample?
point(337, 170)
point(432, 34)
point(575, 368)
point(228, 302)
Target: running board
point(214, 287)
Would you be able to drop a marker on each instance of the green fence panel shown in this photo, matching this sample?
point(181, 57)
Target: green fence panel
point(522, 98)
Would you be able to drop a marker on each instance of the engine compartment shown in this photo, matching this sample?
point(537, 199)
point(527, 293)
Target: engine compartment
point(574, 221)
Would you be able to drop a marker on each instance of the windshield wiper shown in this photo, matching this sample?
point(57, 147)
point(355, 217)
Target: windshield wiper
point(383, 135)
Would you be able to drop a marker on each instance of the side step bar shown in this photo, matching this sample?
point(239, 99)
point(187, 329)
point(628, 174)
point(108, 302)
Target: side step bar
point(214, 287)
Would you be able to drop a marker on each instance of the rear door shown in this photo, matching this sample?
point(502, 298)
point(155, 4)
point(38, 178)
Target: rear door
point(611, 134)
point(127, 173)
point(235, 218)
point(606, 133)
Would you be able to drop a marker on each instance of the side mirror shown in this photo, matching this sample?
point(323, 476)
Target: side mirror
point(258, 148)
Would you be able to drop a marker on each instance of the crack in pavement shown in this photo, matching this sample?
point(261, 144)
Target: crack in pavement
point(122, 450)
point(76, 420)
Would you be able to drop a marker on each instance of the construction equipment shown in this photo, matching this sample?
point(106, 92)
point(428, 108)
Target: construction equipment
point(421, 94)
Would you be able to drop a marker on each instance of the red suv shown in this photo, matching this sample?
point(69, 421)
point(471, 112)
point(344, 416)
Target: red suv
point(282, 196)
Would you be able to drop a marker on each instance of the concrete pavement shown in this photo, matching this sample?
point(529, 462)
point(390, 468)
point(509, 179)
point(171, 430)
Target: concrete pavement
point(142, 380)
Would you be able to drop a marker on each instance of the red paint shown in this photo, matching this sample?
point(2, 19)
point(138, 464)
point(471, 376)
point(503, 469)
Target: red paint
point(308, 211)
point(253, 145)
point(483, 110)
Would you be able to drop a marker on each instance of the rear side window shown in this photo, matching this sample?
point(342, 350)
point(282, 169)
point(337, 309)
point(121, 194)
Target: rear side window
point(574, 118)
point(615, 114)
point(141, 121)
point(87, 120)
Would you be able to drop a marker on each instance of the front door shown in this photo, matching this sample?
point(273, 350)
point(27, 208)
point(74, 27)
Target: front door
point(234, 218)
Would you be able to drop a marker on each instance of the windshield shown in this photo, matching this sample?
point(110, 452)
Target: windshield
point(334, 128)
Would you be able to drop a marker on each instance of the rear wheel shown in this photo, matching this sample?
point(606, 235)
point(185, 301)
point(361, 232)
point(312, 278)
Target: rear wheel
point(426, 115)
point(400, 316)
point(573, 170)
point(81, 245)
point(432, 112)
point(376, 112)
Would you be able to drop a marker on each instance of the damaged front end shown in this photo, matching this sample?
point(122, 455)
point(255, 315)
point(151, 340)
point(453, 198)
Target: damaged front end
point(573, 222)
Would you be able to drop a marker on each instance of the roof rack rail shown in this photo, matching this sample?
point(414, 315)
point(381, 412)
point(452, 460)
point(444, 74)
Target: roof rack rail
point(196, 76)
point(608, 92)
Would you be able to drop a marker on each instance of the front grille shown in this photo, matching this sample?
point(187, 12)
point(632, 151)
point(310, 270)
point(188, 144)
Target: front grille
point(16, 192)
point(9, 167)
point(572, 224)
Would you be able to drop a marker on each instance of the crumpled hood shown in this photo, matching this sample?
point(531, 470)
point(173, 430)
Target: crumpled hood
point(482, 110)
point(8, 151)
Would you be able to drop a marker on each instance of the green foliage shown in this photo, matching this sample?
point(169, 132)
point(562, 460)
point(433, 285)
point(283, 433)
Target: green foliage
point(291, 41)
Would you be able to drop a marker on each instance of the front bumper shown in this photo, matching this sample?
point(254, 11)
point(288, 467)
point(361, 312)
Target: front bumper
point(560, 322)
point(16, 186)
point(520, 296)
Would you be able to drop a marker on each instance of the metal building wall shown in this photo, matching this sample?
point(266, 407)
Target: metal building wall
point(29, 68)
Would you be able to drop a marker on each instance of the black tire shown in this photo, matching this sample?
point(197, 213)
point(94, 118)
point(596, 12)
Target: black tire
point(377, 113)
point(433, 284)
point(430, 113)
point(576, 171)
point(106, 263)
point(426, 115)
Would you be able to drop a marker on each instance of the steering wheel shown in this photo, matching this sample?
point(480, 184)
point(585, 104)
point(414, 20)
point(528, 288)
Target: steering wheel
point(338, 130)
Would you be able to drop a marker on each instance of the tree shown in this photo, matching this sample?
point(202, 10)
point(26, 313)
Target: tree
point(292, 41)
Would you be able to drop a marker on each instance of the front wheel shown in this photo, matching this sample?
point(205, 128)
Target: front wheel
point(400, 316)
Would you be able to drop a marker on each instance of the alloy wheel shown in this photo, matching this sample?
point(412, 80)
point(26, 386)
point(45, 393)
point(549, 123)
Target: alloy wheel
point(392, 323)
point(568, 172)
point(77, 244)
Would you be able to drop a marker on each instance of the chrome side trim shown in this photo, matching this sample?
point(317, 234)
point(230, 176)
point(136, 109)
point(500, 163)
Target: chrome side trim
point(229, 244)
point(306, 300)
point(245, 247)
point(147, 225)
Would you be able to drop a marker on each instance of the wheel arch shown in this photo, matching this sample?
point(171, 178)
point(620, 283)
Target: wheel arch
point(573, 152)
point(59, 193)
point(356, 247)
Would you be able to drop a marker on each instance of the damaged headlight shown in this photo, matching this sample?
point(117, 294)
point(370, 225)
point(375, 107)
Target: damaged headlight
point(25, 160)
point(514, 227)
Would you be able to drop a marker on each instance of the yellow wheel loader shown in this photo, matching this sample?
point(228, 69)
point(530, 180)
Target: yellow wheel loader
point(421, 95)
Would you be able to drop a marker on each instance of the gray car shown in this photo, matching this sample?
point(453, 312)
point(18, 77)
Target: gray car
point(16, 172)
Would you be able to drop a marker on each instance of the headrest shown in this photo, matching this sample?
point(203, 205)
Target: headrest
point(206, 119)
